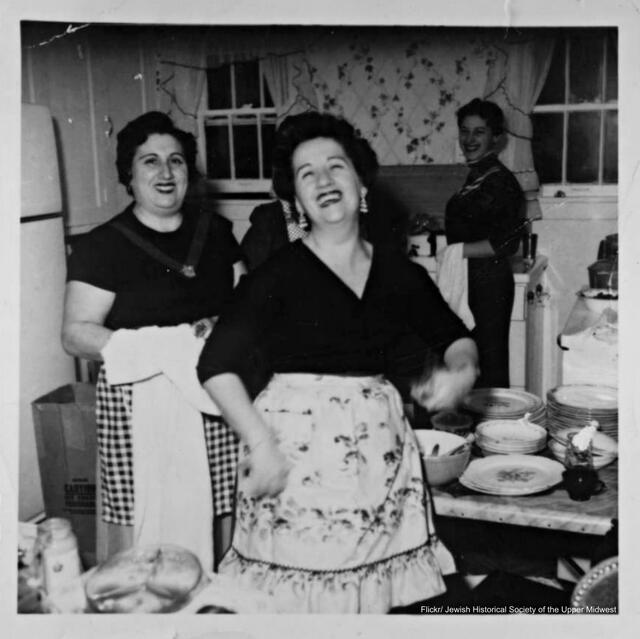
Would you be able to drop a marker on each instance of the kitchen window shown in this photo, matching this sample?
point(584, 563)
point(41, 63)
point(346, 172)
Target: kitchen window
point(237, 122)
point(575, 121)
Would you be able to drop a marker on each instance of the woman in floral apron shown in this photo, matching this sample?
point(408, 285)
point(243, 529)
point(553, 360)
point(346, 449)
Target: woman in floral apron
point(332, 509)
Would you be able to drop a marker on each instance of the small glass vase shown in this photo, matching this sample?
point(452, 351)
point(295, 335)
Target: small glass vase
point(580, 477)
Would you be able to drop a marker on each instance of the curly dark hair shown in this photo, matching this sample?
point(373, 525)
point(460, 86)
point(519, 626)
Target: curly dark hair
point(136, 132)
point(489, 111)
point(296, 129)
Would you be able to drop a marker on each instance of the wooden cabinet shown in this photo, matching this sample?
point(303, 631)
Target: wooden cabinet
point(91, 80)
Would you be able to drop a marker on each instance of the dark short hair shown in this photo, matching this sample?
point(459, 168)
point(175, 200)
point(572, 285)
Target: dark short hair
point(489, 111)
point(135, 133)
point(296, 129)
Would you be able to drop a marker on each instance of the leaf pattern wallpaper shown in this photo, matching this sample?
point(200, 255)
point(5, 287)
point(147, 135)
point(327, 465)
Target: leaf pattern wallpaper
point(401, 88)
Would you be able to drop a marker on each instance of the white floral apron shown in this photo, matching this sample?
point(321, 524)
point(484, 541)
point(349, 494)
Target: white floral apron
point(352, 530)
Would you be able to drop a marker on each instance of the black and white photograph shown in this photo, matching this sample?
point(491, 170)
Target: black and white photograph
point(319, 311)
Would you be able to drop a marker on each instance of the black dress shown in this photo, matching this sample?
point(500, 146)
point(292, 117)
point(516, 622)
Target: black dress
point(147, 293)
point(305, 319)
point(490, 206)
point(351, 531)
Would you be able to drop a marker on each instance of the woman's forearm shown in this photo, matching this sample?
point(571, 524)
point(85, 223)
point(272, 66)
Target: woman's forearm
point(482, 248)
point(229, 393)
point(85, 339)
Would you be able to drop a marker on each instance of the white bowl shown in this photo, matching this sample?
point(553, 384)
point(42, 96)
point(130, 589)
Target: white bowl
point(442, 468)
point(511, 430)
point(602, 443)
point(598, 299)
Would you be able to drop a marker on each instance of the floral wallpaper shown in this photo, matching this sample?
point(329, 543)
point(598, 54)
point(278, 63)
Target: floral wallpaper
point(401, 88)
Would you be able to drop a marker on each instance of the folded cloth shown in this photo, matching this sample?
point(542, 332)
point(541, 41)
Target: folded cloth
point(172, 484)
point(451, 277)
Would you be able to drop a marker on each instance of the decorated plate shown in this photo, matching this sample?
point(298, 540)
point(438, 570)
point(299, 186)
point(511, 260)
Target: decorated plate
point(501, 402)
point(512, 474)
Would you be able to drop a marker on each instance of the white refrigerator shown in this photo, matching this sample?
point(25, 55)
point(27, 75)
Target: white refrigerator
point(44, 365)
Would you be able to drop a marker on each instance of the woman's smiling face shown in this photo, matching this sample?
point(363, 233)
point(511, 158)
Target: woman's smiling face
point(476, 138)
point(159, 175)
point(327, 185)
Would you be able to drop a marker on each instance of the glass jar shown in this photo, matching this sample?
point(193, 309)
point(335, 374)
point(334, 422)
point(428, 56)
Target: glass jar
point(580, 477)
point(60, 566)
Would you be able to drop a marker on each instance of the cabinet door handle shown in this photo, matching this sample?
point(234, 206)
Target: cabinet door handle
point(108, 132)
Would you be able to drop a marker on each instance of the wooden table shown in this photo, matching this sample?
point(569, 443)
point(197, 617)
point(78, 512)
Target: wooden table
point(552, 510)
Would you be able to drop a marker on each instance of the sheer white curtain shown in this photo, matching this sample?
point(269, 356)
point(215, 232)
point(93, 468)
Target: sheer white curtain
point(515, 80)
point(283, 62)
point(289, 81)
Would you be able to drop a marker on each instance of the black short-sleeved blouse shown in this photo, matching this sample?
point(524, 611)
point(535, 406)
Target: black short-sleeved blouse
point(490, 206)
point(303, 318)
point(147, 292)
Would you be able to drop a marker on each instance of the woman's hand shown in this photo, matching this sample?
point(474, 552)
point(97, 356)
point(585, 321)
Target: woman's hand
point(444, 388)
point(266, 467)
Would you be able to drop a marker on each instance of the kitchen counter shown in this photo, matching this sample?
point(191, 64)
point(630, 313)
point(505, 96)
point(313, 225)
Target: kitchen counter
point(552, 509)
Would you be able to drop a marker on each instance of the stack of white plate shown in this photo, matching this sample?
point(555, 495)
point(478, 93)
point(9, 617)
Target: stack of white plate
point(575, 405)
point(505, 403)
point(510, 475)
point(510, 436)
point(605, 448)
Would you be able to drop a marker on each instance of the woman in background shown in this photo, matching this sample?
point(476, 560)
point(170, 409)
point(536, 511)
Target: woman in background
point(118, 278)
point(331, 506)
point(487, 215)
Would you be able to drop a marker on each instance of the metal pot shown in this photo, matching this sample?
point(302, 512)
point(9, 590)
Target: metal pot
point(604, 274)
point(608, 248)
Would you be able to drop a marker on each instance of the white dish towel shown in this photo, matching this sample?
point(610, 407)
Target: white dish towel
point(451, 277)
point(172, 485)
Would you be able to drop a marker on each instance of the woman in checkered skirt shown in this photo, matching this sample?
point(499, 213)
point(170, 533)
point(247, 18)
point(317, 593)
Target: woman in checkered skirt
point(332, 513)
point(132, 272)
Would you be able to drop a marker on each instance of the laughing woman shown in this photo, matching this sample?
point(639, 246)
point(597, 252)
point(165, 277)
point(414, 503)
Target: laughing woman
point(331, 510)
point(486, 215)
point(125, 274)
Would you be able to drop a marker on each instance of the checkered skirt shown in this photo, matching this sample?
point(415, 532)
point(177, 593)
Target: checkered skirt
point(113, 417)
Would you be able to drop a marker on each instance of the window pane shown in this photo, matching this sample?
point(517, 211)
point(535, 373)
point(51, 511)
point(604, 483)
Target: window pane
point(268, 134)
point(245, 144)
point(610, 168)
point(586, 53)
point(247, 84)
point(553, 90)
point(217, 143)
point(582, 146)
point(547, 146)
point(219, 87)
point(268, 100)
point(612, 65)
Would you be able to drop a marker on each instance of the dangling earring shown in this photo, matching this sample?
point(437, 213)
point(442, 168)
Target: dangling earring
point(303, 222)
point(286, 208)
point(364, 207)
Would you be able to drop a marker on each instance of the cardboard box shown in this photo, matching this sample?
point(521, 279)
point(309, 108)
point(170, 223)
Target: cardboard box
point(65, 430)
